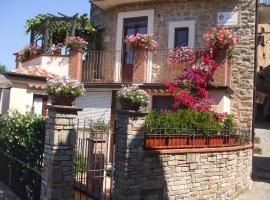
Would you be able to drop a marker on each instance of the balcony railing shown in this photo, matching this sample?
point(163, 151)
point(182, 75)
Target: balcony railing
point(120, 66)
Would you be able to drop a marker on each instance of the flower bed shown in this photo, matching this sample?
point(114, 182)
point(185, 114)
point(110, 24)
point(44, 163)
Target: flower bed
point(190, 128)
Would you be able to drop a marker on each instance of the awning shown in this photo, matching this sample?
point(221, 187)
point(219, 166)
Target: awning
point(4, 82)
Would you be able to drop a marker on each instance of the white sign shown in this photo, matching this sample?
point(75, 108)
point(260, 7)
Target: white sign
point(228, 18)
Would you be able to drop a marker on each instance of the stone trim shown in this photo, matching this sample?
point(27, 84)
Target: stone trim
point(119, 40)
point(190, 24)
point(199, 150)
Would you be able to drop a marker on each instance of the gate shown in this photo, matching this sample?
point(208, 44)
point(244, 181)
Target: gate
point(93, 161)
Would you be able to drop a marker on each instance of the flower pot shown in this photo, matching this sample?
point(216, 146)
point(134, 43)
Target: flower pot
point(57, 52)
point(218, 140)
point(128, 105)
point(155, 141)
point(198, 141)
point(176, 141)
point(98, 80)
point(230, 140)
point(61, 100)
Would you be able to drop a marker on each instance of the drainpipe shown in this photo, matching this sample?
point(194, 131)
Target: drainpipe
point(255, 71)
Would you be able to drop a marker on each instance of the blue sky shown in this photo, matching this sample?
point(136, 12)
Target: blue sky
point(14, 13)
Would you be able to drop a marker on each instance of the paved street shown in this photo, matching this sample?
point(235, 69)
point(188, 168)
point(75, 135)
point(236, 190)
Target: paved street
point(5, 194)
point(261, 166)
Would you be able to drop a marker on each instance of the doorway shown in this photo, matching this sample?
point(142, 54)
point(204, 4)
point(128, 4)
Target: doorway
point(132, 26)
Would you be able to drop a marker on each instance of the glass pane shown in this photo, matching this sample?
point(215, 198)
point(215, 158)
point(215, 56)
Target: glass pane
point(181, 37)
point(131, 31)
point(142, 30)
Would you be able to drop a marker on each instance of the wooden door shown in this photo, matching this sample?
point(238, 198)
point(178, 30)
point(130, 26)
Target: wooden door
point(132, 26)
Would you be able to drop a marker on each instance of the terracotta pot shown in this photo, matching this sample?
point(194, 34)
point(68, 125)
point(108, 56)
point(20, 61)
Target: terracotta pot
point(230, 140)
point(216, 140)
point(128, 105)
point(98, 81)
point(61, 100)
point(176, 141)
point(155, 141)
point(198, 141)
point(57, 52)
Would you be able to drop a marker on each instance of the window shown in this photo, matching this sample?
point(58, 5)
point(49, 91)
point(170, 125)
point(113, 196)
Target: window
point(181, 33)
point(39, 103)
point(160, 102)
point(181, 37)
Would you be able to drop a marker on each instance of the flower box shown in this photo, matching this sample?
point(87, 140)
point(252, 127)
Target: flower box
point(128, 105)
point(218, 140)
point(61, 100)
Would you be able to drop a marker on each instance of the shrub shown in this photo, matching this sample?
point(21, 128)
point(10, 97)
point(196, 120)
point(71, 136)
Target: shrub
point(188, 121)
point(22, 137)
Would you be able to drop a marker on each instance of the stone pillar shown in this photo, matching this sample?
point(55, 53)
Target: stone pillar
point(60, 139)
point(75, 64)
point(140, 66)
point(129, 151)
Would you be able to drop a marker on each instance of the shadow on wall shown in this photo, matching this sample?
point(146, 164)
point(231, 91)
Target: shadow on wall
point(137, 176)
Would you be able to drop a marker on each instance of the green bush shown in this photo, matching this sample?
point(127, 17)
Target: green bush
point(189, 121)
point(22, 137)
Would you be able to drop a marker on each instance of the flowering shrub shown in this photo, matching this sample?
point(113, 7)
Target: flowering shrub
point(196, 78)
point(200, 121)
point(134, 94)
point(220, 38)
point(64, 87)
point(75, 42)
point(142, 41)
point(29, 51)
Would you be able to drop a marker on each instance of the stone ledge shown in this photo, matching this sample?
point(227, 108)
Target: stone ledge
point(198, 150)
point(132, 113)
point(66, 109)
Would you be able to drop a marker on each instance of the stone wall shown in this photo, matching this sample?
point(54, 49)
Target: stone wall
point(205, 15)
point(205, 174)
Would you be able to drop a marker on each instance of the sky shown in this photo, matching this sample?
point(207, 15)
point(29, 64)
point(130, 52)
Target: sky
point(13, 15)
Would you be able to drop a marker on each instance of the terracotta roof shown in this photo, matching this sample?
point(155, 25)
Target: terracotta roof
point(35, 71)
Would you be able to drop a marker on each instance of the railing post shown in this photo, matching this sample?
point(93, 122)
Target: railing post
point(58, 162)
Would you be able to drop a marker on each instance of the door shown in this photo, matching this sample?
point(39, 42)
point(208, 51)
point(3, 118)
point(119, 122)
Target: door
point(132, 26)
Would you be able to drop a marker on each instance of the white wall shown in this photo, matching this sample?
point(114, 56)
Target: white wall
point(20, 100)
point(54, 64)
point(222, 101)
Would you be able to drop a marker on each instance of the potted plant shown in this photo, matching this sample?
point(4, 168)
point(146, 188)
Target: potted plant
point(57, 49)
point(131, 97)
point(29, 52)
point(220, 39)
point(75, 43)
point(63, 91)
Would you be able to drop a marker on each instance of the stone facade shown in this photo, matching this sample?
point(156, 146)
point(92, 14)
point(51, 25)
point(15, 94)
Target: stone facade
point(205, 15)
point(60, 139)
point(142, 174)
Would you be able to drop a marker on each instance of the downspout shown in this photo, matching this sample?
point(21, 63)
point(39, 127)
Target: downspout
point(255, 73)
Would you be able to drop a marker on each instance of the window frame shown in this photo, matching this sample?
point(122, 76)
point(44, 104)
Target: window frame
point(190, 24)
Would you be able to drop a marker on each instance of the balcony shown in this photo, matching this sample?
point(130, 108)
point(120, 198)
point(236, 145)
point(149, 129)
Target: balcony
point(107, 4)
point(154, 67)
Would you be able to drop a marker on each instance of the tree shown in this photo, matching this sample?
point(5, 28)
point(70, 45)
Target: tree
point(3, 69)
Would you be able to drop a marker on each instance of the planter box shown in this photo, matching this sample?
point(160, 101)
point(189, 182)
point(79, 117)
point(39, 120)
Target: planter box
point(155, 141)
point(198, 141)
point(231, 140)
point(175, 141)
point(216, 141)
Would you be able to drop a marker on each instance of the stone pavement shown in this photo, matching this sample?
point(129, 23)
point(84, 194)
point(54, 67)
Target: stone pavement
point(260, 189)
point(5, 194)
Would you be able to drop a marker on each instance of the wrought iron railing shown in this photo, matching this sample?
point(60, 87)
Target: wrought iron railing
point(187, 137)
point(108, 67)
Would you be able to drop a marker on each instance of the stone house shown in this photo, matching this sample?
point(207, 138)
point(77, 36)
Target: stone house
point(263, 57)
point(30, 77)
point(173, 23)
